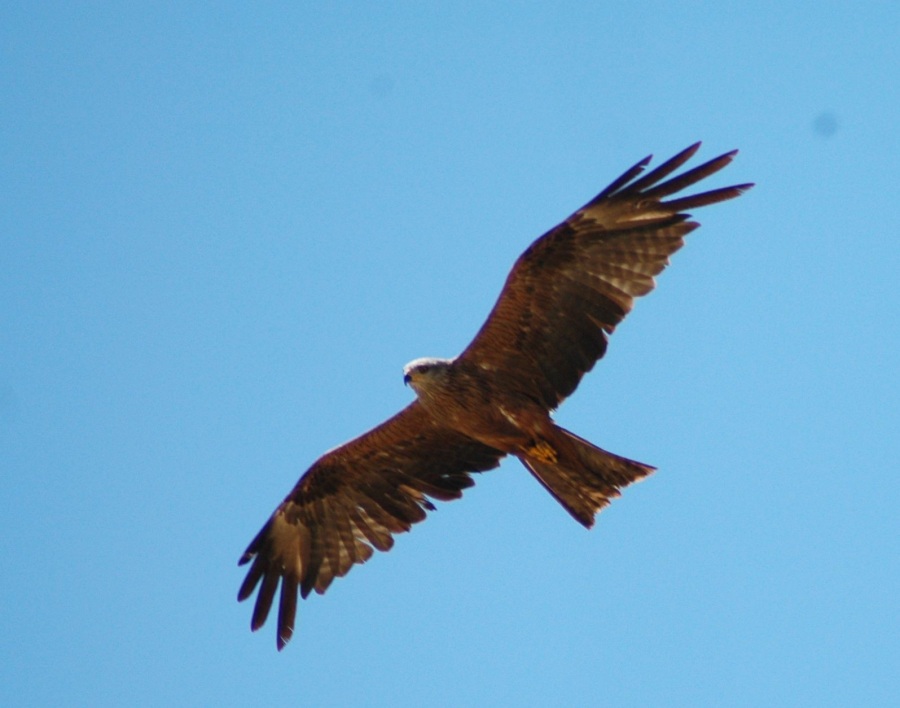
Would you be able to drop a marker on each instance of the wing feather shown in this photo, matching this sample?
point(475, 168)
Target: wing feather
point(287, 610)
point(350, 502)
point(373, 533)
point(264, 599)
point(568, 291)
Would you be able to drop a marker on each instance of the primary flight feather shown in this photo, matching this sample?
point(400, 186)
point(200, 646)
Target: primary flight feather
point(563, 298)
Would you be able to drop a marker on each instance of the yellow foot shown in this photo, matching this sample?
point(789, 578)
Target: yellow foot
point(542, 451)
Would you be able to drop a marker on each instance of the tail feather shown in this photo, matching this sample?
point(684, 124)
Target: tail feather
point(583, 478)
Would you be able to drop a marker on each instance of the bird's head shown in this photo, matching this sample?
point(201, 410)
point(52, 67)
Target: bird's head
point(420, 372)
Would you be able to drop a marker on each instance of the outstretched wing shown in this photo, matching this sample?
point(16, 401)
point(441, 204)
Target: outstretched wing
point(570, 288)
point(353, 499)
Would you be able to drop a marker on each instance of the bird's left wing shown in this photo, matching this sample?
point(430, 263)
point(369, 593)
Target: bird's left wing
point(353, 499)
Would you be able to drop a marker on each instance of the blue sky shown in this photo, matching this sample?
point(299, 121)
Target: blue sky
point(225, 228)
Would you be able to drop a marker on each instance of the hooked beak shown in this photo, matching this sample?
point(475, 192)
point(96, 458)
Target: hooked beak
point(406, 379)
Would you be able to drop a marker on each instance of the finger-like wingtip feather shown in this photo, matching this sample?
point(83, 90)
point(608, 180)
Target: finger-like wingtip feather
point(623, 179)
point(714, 196)
point(250, 582)
point(254, 545)
point(691, 177)
point(665, 169)
point(287, 611)
point(264, 600)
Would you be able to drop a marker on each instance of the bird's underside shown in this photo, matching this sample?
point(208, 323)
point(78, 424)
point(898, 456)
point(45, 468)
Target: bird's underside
point(469, 398)
point(563, 298)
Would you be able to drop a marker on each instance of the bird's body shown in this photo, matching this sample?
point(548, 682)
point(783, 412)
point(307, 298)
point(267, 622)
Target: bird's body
point(562, 299)
point(475, 401)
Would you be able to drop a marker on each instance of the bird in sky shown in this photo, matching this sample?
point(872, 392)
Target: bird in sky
point(563, 298)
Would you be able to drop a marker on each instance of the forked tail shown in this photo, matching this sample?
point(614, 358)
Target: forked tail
point(583, 478)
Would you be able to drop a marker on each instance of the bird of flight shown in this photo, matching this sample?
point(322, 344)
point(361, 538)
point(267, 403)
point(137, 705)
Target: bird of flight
point(563, 298)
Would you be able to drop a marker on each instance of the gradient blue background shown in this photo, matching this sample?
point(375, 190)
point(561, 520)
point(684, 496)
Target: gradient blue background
point(224, 228)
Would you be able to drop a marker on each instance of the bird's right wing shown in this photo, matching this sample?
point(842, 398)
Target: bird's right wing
point(353, 499)
point(570, 288)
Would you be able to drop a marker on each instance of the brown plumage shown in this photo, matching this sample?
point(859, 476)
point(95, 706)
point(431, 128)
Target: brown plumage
point(564, 296)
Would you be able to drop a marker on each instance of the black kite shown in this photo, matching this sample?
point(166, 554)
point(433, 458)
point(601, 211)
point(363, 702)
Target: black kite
point(563, 298)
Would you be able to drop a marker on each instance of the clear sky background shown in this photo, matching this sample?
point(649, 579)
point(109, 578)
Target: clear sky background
point(224, 229)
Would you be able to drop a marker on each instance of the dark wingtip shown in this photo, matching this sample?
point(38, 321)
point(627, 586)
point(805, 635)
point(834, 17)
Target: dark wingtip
point(686, 154)
point(725, 158)
point(691, 150)
point(287, 611)
point(250, 581)
point(264, 599)
point(622, 180)
point(282, 639)
point(254, 545)
point(663, 170)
